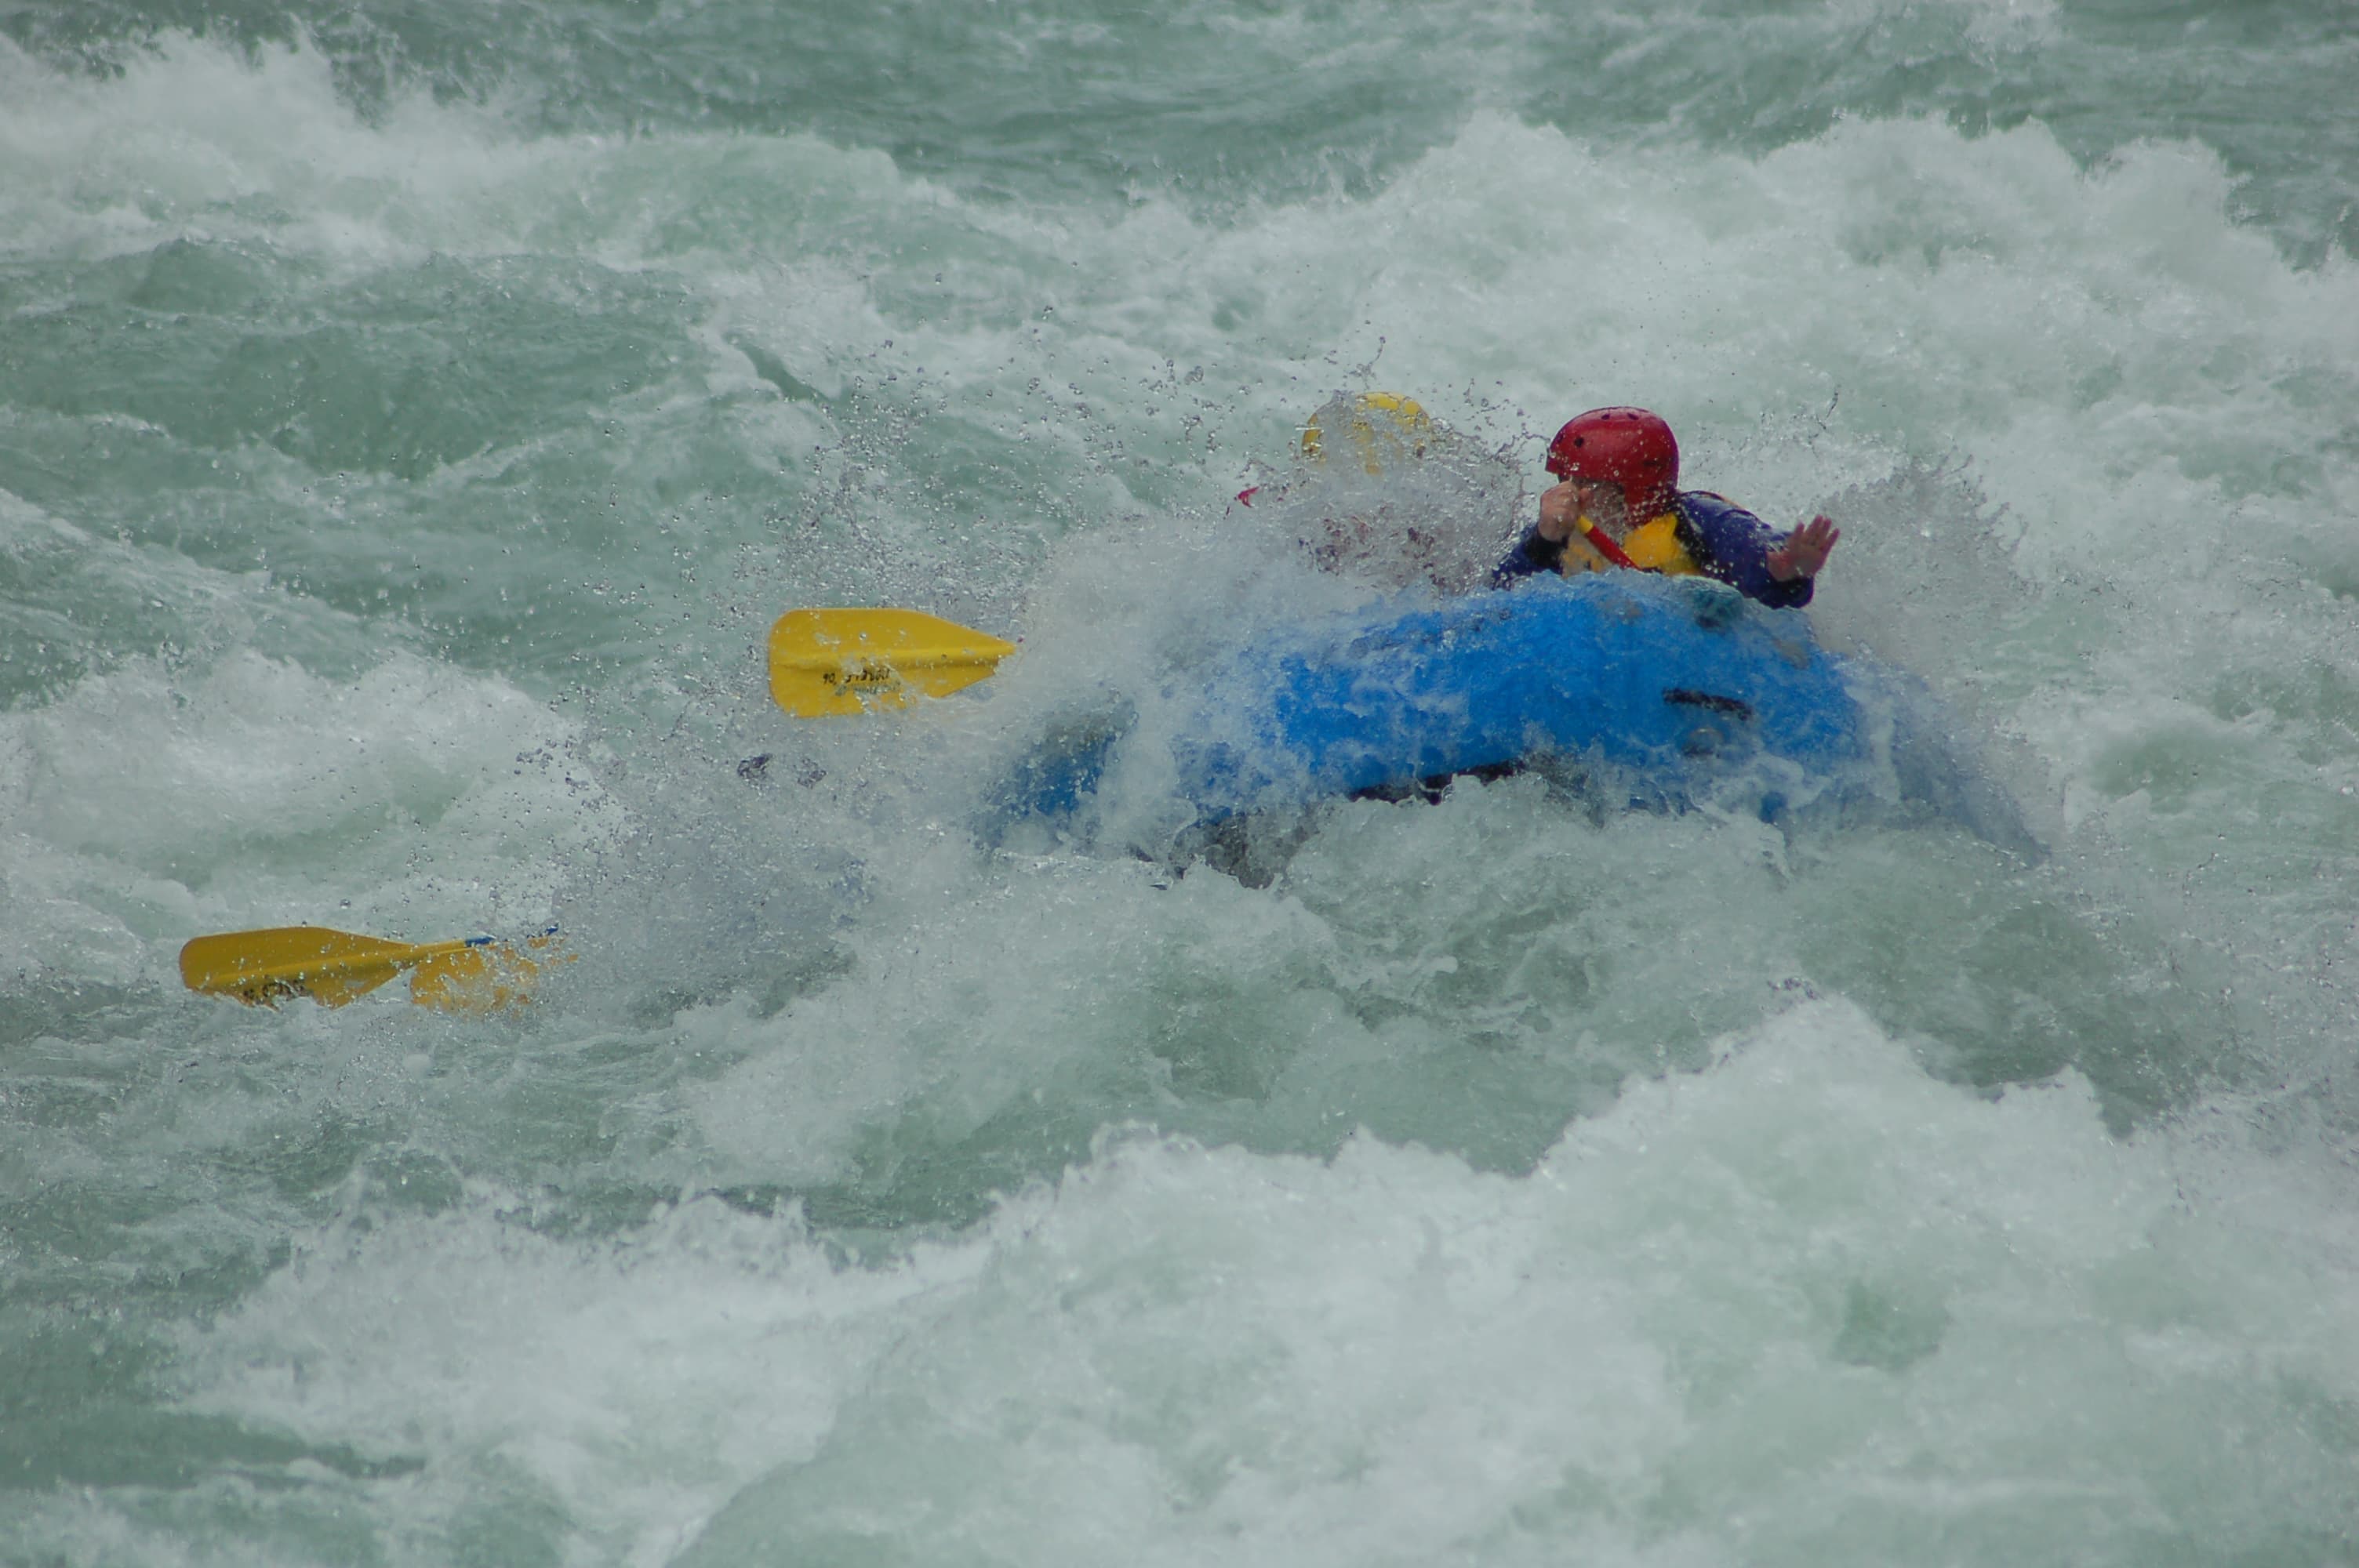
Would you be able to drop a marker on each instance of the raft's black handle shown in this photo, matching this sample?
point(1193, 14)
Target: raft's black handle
point(1683, 697)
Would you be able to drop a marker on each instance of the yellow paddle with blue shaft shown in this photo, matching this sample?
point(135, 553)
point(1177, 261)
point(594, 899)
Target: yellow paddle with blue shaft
point(826, 662)
point(475, 974)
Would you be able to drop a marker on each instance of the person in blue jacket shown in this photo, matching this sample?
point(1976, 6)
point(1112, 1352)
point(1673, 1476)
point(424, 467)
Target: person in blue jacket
point(1620, 505)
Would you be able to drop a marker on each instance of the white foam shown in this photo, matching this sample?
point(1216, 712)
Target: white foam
point(250, 792)
point(199, 139)
point(2118, 359)
point(1803, 1304)
point(1721, 1322)
point(636, 1384)
point(969, 1006)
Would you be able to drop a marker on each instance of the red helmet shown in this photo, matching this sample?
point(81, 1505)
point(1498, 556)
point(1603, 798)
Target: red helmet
point(1628, 447)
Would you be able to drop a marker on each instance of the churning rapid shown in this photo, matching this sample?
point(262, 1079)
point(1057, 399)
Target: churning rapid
point(413, 417)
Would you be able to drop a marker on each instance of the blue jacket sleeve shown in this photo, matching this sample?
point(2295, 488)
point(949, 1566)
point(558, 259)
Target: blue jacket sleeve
point(1531, 557)
point(1733, 546)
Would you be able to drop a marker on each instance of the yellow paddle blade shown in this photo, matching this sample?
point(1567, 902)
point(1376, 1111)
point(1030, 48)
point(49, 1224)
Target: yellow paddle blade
point(856, 661)
point(332, 968)
point(483, 976)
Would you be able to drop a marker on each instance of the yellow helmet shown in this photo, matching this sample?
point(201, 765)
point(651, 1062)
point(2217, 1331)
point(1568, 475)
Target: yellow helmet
point(1381, 426)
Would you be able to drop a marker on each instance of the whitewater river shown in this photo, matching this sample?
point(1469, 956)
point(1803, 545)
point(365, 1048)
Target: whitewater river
point(413, 415)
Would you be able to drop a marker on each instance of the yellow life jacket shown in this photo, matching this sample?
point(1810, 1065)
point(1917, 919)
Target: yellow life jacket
point(1654, 547)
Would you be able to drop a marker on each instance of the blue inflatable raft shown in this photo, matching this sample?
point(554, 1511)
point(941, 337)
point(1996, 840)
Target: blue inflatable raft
point(1674, 690)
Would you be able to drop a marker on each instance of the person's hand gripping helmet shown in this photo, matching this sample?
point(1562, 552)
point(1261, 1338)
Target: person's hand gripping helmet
point(1628, 447)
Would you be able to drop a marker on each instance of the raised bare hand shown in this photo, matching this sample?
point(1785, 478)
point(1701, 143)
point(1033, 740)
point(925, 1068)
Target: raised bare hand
point(1805, 551)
